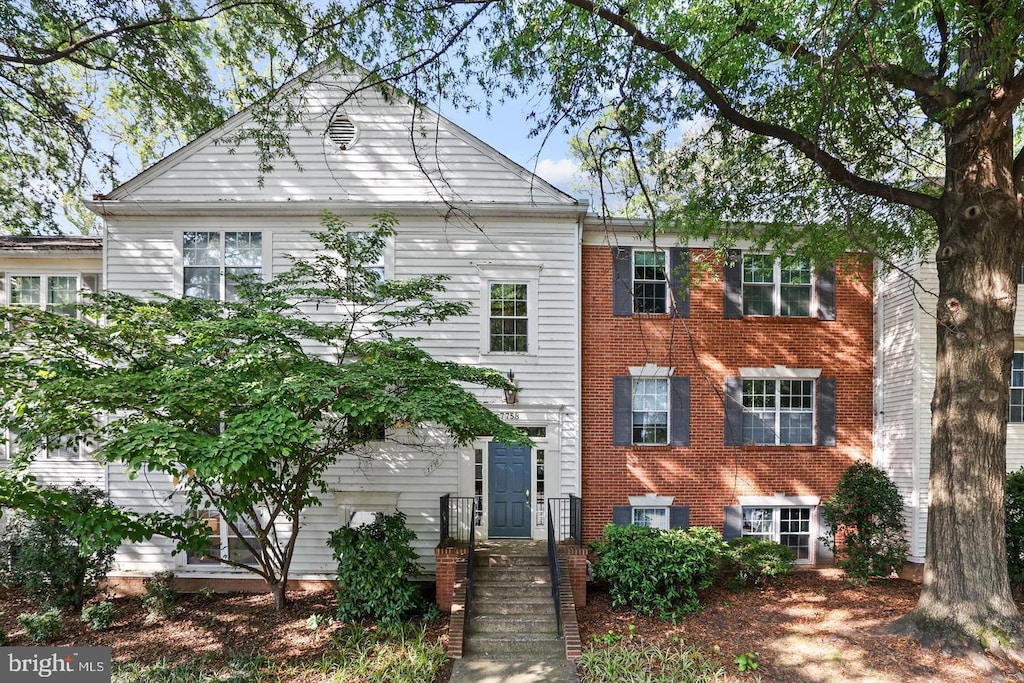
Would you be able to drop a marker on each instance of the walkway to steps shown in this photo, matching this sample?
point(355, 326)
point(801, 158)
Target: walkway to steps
point(512, 635)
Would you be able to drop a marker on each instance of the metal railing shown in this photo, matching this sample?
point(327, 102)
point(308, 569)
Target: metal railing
point(556, 573)
point(458, 518)
point(567, 519)
point(470, 563)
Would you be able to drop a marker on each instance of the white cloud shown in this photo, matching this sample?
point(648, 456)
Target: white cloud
point(558, 172)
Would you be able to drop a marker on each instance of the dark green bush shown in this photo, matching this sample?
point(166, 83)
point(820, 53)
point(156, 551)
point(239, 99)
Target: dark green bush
point(1015, 527)
point(749, 560)
point(658, 572)
point(866, 518)
point(160, 597)
point(99, 616)
point(45, 556)
point(41, 627)
point(376, 563)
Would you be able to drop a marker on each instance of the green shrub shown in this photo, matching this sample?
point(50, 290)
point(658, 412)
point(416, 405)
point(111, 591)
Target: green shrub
point(160, 596)
point(750, 560)
point(53, 562)
point(658, 572)
point(41, 627)
point(99, 616)
point(866, 514)
point(375, 564)
point(1014, 504)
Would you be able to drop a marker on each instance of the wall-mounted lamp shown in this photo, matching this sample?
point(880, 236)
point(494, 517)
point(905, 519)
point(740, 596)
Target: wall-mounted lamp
point(512, 394)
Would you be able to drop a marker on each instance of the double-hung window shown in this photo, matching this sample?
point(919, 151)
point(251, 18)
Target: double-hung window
point(778, 411)
point(223, 542)
point(789, 526)
point(776, 285)
point(509, 317)
point(780, 407)
point(650, 281)
point(1017, 388)
point(213, 261)
point(651, 408)
point(793, 521)
point(783, 286)
point(55, 293)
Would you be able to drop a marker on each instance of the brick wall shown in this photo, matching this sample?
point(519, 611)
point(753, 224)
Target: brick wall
point(707, 347)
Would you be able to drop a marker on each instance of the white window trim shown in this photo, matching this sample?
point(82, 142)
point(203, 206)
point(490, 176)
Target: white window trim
point(491, 273)
point(777, 287)
point(779, 502)
point(266, 242)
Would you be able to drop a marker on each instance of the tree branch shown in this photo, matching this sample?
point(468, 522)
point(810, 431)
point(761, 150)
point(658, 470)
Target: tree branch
point(829, 164)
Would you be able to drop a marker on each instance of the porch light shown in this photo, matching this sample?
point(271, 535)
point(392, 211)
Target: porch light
point(512, 394)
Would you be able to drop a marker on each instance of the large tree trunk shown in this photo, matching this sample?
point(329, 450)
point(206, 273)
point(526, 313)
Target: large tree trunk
point(966, 599)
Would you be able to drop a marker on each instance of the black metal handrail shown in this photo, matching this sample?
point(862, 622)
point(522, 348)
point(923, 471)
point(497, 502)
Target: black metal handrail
point(471, 562)
point(556, 574)
point(568, 519)
point(457, 517)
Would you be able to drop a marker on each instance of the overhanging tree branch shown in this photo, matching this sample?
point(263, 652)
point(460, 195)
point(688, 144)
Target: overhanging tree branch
point(833, 168)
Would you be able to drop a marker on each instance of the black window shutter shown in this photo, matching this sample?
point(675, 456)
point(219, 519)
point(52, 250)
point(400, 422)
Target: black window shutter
point(679, 403)
point(622, 514)
point(679, 275)
point(733, 411)
point(679, 517)
point(823, 554)
point(622, 411)
point(826, 285)
point(826, 410)
point(733, 275)
point(3, 289)
point(622, 281)
point(733, 525)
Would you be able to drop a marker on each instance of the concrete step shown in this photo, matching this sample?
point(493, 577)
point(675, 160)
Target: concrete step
point(485, 559)
point(518, 646)
point(513, 574)
point(484, 590)
point(552, 670)
point(518, 604)
point(508, 624)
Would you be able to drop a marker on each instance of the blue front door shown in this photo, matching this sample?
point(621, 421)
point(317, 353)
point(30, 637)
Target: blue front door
point(508, 489)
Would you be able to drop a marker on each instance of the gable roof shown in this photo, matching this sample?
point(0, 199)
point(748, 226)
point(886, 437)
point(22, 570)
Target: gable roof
point(402, 154)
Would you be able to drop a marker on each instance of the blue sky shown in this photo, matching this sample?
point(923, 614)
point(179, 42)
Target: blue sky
point(507, 130)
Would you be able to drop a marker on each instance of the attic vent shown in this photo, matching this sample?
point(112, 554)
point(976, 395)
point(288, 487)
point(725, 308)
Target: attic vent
point(341, 131)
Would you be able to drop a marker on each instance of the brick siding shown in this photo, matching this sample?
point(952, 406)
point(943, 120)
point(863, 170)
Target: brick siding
point(707, 347)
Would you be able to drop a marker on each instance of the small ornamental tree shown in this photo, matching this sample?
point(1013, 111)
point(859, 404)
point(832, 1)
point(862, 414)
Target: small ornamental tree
point(865, 515)
point(245, 404)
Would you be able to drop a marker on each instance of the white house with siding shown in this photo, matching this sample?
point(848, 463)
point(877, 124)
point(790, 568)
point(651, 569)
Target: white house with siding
point(905, 346)
point(463, 209)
